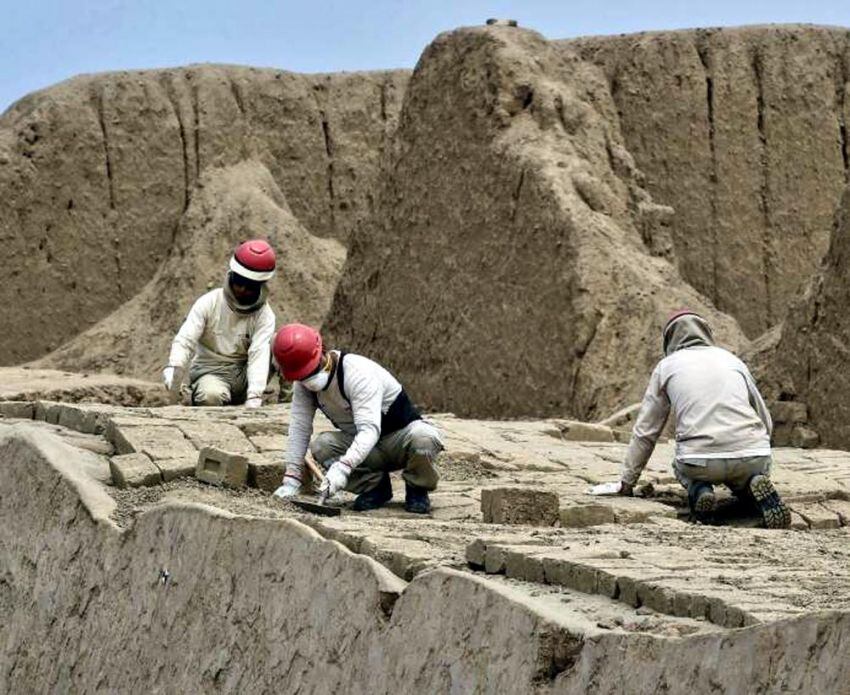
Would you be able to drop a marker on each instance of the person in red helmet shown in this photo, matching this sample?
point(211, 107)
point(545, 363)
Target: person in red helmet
point(379, 428)
point(229, 332)
point(723, 427)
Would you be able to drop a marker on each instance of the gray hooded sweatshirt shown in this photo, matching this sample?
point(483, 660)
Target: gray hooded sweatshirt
point(718, 409)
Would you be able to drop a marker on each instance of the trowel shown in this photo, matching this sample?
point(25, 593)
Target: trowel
point(315, 505)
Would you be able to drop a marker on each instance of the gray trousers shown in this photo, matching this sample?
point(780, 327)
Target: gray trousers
point(226, 384)
point(696, 475)
point(412, 450)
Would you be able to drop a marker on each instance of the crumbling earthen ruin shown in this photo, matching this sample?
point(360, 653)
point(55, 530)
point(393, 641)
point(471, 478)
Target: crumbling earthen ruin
point(167, 583)
point(506, 227)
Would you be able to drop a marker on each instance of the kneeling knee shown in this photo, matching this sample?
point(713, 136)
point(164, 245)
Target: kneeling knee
point(322, 447)
point(426, 444)
point(210, 398)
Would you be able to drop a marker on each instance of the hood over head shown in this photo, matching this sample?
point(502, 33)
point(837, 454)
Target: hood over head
point(686, 329)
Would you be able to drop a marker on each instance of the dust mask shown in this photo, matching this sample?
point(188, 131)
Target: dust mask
point(317, 382)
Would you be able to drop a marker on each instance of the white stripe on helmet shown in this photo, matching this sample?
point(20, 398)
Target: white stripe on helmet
point(257, 275)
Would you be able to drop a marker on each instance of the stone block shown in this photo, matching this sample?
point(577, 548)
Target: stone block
point(266, 426)
point(133, 470)
point(494, 560)
point(157, 441)
point(269, 442)
point(172, 468)
point(77, 419)
point(221, 468)
point(804, 438)
point(656, 596)
point(216, 435)
point(841, 508)
point(573, 575)
point(816, 515)
point(523, 564)
point(47, 412)
point(717, 611)
point(574, 431)
point(17, 409)
point(789, 412)
point(514, 505)
point(798, 436)
point(265, 473)
point(699, 606)
point(798, 523)
point(682, 602)
point(476, 552)
point(582, 515)
point(627, 587)
point(606, 583)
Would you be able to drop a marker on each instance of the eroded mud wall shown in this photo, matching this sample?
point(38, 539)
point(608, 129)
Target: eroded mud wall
point(96, 173)
point(257, 605)
point(810, 360)
point(516, 266)
point(231, 203)
point(743, 132)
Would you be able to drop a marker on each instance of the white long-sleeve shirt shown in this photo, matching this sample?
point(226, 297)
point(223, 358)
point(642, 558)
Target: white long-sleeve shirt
point(222, 336)
point(371, 390)
point(719, 410)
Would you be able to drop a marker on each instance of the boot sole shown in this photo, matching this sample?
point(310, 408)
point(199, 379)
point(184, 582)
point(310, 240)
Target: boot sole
point(706, 504)
point(773, 510)
point(704, 508)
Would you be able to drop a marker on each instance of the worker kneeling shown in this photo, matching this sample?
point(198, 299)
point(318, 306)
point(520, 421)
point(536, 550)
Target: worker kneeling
point(229, 332)
point(723, 427)
point(379, 428)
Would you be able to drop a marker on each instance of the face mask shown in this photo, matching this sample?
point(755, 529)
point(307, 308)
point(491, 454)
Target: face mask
point(317, 382)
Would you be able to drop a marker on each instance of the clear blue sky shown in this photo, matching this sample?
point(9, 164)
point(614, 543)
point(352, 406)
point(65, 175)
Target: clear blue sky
point(45, 41)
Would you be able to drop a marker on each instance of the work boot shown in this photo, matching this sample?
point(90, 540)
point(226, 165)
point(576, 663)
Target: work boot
point(773, 510)
point(416, 500)
point(703, 503)
point(375, 498)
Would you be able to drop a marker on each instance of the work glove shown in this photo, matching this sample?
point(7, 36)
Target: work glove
point(168, 377)
point(291, 487)
point(335, 479)
point(253, 402)
point(617, 488)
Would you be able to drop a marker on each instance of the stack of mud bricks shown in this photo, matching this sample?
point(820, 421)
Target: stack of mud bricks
point(515, 505)
point(789, 425)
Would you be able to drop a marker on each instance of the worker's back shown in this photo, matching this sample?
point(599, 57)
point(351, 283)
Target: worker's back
point(714, 401)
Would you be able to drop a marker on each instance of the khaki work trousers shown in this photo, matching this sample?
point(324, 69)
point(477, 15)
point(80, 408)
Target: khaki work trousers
point(225, 384)
point(695, 475)
point(413, 450)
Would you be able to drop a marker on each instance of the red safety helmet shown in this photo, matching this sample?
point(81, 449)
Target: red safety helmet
point(298, 350)
point(254, 260)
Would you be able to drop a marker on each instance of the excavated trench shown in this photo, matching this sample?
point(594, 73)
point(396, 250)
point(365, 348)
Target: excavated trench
point(231, 589)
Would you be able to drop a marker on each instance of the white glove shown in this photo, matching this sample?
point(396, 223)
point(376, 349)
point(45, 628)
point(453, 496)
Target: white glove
point(291, 487)
point(168, 377)
point(336, 479)
point(606, 489)
point(253, 402)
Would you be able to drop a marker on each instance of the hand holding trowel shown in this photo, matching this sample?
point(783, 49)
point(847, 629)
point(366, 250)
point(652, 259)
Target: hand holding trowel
point(316, 505)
